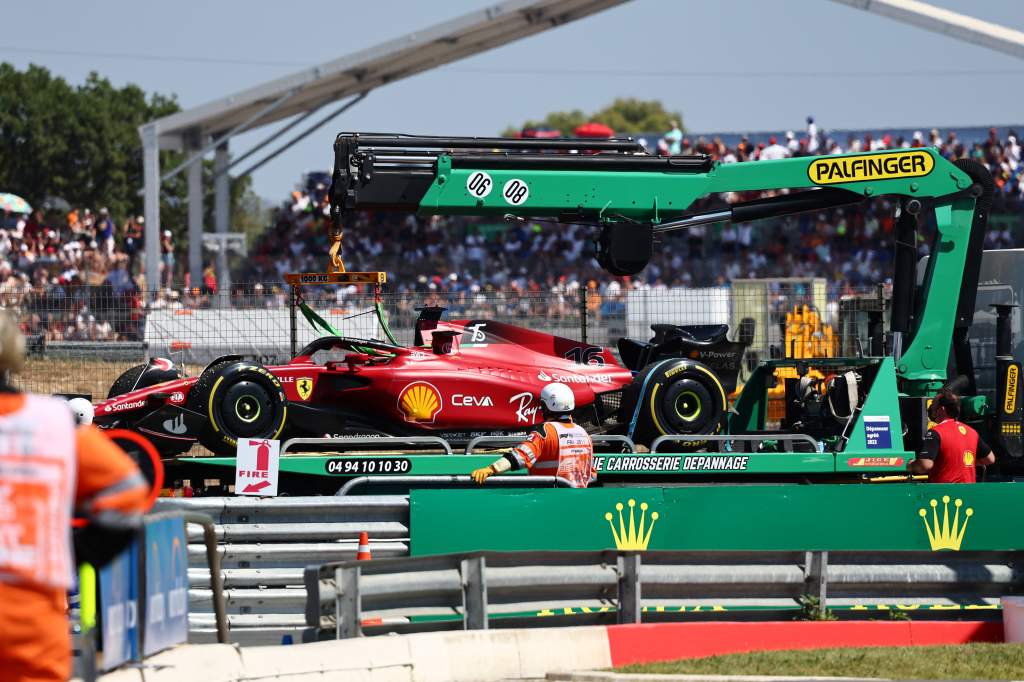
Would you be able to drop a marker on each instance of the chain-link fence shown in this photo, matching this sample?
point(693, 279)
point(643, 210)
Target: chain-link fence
point(81, 339)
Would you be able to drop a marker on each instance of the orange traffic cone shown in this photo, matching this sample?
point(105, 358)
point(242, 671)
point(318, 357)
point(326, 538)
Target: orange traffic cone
point(363, 552)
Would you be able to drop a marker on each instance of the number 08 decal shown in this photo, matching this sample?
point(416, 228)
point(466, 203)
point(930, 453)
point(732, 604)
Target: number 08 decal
point(479, 184)
point(515, 192)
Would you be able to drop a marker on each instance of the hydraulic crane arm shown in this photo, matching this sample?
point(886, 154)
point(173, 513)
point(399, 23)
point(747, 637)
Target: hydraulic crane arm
point(632, 195)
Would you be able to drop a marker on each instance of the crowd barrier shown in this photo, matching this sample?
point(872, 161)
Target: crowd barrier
point(479, 590)
point(263, 547)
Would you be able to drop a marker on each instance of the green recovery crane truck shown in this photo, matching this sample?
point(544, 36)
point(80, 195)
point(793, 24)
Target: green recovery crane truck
point(871, 415)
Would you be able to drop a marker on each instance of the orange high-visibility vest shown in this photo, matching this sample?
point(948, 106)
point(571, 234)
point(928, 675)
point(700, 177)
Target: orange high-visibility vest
point(561, 449)
point(37, 492)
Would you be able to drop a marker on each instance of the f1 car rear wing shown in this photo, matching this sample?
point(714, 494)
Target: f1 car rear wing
point(631, 196)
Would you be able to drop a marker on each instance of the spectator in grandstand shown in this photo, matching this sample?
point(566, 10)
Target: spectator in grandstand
point(674, 139)
point(166, 259)
point(105, 232)
point(774, 151)
point(132, 234)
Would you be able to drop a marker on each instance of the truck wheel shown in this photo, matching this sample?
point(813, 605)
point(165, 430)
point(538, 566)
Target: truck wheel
point(674, 397)
point(144, 376)
point(241, 400)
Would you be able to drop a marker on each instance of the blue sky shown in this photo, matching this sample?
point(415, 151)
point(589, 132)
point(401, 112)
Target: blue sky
point(728, 65)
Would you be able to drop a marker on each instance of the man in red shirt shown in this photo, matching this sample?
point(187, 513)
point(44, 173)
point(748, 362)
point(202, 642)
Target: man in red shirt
point(950, 450)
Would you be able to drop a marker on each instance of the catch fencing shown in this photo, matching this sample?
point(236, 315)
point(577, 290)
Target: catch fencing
point(543, 589)
point(263, 547)
point(81, 338)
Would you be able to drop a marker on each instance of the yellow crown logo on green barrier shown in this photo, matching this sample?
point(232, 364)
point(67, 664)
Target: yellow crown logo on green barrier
point(943, 535)
point(634, 537)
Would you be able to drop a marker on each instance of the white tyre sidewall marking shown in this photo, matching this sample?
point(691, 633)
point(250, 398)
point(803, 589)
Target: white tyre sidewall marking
point(521, 192)
point(479, 184)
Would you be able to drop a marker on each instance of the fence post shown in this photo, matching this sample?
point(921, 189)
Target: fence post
point(629, 588)
point(474, 593)
point(216, 576)
point(583, 312)
point(293, 303)
point(348, 607)
point(816, 576)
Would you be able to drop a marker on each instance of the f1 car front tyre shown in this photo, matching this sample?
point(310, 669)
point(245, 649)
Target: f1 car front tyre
point(674, 397)
point(241, 400)
point(144, 376)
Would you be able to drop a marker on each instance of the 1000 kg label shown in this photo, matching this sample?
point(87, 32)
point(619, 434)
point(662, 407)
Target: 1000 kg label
point(368, 465)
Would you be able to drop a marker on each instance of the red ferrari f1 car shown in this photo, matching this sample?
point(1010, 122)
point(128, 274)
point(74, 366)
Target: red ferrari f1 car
point(460, 379)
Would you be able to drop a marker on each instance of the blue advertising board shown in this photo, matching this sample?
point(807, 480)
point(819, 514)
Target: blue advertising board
point(118, 603)
point(166, 585)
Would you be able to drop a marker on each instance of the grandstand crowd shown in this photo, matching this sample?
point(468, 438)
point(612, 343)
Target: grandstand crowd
point(532, 267)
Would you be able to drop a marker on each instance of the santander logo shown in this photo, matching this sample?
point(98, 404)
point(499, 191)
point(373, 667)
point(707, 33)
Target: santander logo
point(545, 376)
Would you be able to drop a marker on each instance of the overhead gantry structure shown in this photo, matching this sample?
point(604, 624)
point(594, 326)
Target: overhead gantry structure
point(209, 127)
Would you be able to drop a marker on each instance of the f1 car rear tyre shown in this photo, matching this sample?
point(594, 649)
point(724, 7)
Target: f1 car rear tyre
point(674, 397)
point(240, 400)
point(142, 376)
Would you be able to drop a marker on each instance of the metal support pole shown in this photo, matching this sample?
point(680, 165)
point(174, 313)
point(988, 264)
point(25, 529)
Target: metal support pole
point(293, 320)
point(629, 588)
point(474, 593)
point(195, 224)
point(223, 139)
point(583, 313)
point(151, 199)
point(216, 577)
point(349, 608)
point(222, 220)
point(816, 576)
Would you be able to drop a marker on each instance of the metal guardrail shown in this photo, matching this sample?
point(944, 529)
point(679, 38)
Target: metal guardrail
point(464, 591)
point(369, 440)
point(262, 546)
point(450, 480)
point(598, 439)
point(787, 440)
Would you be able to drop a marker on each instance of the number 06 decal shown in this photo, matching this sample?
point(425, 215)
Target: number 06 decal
point(515, 192)
point(479, 184)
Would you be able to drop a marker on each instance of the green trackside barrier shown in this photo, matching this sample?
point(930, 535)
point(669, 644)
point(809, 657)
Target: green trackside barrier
point(619, 465)
point(908, 517)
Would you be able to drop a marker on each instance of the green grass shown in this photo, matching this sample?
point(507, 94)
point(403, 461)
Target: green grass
point(961, 662)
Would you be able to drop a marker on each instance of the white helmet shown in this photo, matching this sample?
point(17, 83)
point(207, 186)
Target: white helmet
point(558, 398)
point(82, 409)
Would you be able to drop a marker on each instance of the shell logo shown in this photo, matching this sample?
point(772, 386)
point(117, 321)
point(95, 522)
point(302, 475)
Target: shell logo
point(419, 402)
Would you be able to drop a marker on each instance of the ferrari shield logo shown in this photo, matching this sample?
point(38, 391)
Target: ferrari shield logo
point(304, 387)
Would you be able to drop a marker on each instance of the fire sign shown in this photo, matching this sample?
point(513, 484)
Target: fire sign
point(256, 466)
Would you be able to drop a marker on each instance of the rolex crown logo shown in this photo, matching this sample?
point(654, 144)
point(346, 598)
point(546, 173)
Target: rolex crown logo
point(943, 535)
point(632, 537)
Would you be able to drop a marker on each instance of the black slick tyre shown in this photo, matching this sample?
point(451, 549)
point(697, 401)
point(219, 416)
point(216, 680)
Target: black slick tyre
point(142, 376)
point(675, 397)
point(240, 400)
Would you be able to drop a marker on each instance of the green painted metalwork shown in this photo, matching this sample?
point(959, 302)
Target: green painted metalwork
point(721, 517)
point(655, 196)
point(881, 414)
point(607, 465)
